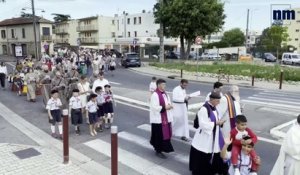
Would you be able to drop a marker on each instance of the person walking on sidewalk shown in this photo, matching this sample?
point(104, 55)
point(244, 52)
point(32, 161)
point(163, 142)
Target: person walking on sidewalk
point(180, 103)
point(31, 79)
point(54, 112)
point(161, 117)
point(288, 162)
point(3, 74)
point(91, 113)
point(75, 108)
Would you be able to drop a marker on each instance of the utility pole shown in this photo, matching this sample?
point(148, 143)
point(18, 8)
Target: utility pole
point(161, 39)
point(247, 31)
point(34, 31)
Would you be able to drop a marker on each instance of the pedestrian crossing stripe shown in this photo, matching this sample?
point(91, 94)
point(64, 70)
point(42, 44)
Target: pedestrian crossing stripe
point(278, 95)
point(290, 99)
point(129, 159)
point(270, 104)
point(273, 100)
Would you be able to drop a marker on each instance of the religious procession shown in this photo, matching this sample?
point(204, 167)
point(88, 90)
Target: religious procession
point(69, 79)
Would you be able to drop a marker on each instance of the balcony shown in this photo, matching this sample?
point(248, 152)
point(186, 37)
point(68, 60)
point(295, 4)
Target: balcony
point(61, 40)
point(60, 31)
point(87, 28)
point(46, 37)
point(88, 40)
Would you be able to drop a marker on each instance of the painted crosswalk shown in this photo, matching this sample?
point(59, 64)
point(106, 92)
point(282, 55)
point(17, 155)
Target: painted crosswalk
point(285, 100)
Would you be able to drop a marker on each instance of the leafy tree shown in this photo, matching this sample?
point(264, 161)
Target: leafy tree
point(273, 39)
point(233, 37)
point(187, 19)
point(60, 17)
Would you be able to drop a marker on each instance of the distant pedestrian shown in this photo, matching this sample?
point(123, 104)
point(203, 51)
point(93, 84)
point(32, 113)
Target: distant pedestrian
point(161, 119)
point(180, 111)
point(3, 74)
point(75, 108)
point(31, 79)
point(54, 112)
point(152, 85)
point(288, 162)
point(91, 113)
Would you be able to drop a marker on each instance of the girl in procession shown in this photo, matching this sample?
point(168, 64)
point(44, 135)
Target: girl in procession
point(108, 106)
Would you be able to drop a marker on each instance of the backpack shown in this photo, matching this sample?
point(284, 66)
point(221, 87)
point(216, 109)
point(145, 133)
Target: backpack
point(196, 120)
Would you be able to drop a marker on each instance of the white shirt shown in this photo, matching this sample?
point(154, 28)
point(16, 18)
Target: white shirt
point(179, 94)
point(203, 137)
point(99, 82)
point(75, 103)
point(100, 99)
point(3, 69)
point(91, 106)
point(53, 104)
point(152, 86)
point(244, 164)
point(155, 108)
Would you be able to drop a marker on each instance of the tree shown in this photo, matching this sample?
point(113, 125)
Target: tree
point(187, 19)
point(60, 17)
point(273, 39)
point(233, 37)
point(26, 15)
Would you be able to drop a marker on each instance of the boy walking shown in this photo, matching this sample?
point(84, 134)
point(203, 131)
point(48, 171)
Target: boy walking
point(100, 111)
point(237, 135)
point(91, 113)
point(108, 107)
point(75, 108)
point(54, 113)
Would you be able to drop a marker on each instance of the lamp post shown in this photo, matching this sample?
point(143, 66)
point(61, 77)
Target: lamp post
point(34, 28)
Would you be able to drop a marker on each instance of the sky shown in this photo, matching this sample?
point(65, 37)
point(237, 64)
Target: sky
point(235, 10)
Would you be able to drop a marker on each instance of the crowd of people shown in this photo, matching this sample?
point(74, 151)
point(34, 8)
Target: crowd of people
point(219, 123)
point(64, 81)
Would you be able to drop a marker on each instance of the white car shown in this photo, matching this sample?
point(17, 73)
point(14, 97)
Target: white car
point(210, 56)
point(290, 58)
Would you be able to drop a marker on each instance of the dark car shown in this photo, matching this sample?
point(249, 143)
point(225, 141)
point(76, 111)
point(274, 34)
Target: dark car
point(269, 57)
point(173, 55)
point(131, 59)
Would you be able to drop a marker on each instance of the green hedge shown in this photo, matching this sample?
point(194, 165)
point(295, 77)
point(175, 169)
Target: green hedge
point(245, 69)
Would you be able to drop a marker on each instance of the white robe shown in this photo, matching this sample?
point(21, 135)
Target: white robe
point(288, 162)
point(181, 123)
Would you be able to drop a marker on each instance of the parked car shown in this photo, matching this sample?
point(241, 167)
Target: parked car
point(131, 59)
point(246, 57)
point(173, 55)
point(290, 58)
point(269, 57)
point(210, 56)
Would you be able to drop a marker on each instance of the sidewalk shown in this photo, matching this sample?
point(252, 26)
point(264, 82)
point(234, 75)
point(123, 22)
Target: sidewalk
point(192, 76)
point(26, 150)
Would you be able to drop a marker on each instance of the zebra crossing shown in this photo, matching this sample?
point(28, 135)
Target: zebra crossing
point(145, 161)
point(275, 99)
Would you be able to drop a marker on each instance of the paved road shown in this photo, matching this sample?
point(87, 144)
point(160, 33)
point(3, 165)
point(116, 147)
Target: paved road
point(135, 154)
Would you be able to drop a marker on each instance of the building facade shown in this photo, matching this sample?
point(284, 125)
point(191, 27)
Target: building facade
point(65, 34)
point(17, 38)
point(293, 30)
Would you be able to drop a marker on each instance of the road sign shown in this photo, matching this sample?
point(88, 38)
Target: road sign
point(198, 40)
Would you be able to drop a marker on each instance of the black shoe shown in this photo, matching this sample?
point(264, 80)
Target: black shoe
point(161, 155)
point(185, 139)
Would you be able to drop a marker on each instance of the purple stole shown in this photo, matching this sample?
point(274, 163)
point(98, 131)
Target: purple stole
point(166, 129)
point(213, 118)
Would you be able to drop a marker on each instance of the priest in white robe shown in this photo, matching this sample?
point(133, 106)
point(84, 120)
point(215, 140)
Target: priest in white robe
point(180, 111)
point(288, 162)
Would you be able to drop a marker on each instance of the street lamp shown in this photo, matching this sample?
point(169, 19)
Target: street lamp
point(34, 27)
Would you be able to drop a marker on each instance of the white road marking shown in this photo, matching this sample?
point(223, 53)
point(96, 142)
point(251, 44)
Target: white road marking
point(280, 92)
point(129, 159)
point(115, 83)
point(290, 99)
point(131, 105)
point(141, 141)
point(281, 111)
point(273, 100)
point(147, 127)
point(279, 95)
point(295, 107)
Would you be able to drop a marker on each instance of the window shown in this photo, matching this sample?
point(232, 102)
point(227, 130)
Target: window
point(3, 34)
point(23, 33)
point(134, 20)
point(113, 22)
point(113, 34)
point(128, 34)
point(87, 34)
point(296, 39)
point(140, 20)
point(297, 30)
point(128, 20)
point(46, 31)
point(12, 33)
point(87, 22)
point(135, 33)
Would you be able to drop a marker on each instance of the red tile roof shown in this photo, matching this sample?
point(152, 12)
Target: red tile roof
point(23, 20)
